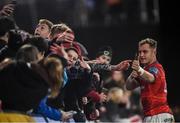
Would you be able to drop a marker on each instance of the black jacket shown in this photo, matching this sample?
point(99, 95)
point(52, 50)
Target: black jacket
point(21, 88)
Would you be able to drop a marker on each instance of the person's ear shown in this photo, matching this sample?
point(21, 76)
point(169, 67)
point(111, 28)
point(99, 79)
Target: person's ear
point(40, 55)
point(155, 51)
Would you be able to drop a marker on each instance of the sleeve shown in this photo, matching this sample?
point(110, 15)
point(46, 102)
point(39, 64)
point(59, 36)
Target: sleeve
point(48, 111)
point(100, 67)
point(155, 71)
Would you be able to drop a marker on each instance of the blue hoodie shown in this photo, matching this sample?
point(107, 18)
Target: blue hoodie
point(48, 111)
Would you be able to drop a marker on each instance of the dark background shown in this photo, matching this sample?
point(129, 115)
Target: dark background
point(169, 26)
point(122, 31)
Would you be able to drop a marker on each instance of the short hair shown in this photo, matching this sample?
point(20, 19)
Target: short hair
point(47, 22)
point(152, 43)
point(6, 24)
point(39, 42)
point(27, 53)
point(59, 28)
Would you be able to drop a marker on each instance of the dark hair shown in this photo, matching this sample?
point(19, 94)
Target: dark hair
point(27, 53)
point(105, 50)
point(6, 24)
point(62, 59)
point(72, 48)
point(17, 38)
point(152, 43)
point(39, 42)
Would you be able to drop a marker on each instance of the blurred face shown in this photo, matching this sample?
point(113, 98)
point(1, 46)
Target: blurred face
point(72, 57)
point(147, 55)
point(103, 59)
point(117, 76)
point(42, 30)
point(116, 96)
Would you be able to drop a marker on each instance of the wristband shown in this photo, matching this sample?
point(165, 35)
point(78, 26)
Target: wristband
point(141, 71)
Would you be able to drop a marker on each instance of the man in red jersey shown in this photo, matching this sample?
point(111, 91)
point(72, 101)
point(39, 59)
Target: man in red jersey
point(151, 79)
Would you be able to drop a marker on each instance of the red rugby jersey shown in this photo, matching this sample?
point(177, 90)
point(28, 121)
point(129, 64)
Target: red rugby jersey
point(154, 95)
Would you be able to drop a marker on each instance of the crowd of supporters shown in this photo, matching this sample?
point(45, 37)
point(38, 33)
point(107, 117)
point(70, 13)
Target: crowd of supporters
point(47, 76)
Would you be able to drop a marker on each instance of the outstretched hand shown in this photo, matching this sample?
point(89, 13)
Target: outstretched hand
point(66, 36)
point(85, 65)
point(59, 50)
point(93, 62)
point(7, 10)
point(124, 65)
point(66, 116)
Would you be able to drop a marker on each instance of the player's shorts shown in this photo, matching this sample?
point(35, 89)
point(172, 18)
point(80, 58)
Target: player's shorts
point(159, 118)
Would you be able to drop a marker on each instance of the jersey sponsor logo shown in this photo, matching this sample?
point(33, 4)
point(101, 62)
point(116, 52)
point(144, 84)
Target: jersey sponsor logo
point(153, 70)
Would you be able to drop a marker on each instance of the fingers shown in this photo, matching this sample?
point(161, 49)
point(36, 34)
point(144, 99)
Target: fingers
point(124, 65)
point(83, 64)
point(57, 49)
point(54, 44)
point(127, 61)
point(69, 37)
point(134, 74)
point(5, 12)
point(135, 65)
point(53, 48)
point(66, 116)
point(60, 36)
point(7, 9)
point(93, 61)
point(9, 6)
point(103, 97)
point(84, 100)
point(65, 36)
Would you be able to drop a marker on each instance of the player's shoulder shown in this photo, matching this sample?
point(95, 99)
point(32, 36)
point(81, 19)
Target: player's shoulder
point(155, 68)
point(157, 65)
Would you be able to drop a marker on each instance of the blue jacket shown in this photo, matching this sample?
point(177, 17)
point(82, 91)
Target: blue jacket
point(48, 111)
point(65, 77)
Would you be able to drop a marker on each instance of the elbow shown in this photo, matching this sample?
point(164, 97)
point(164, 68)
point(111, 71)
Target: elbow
point(152, 80)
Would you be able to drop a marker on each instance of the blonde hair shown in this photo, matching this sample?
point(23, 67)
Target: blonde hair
point(115, 94)
point(54, 69)
point(47, 22)
point(59, 28)
point(152, 43)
